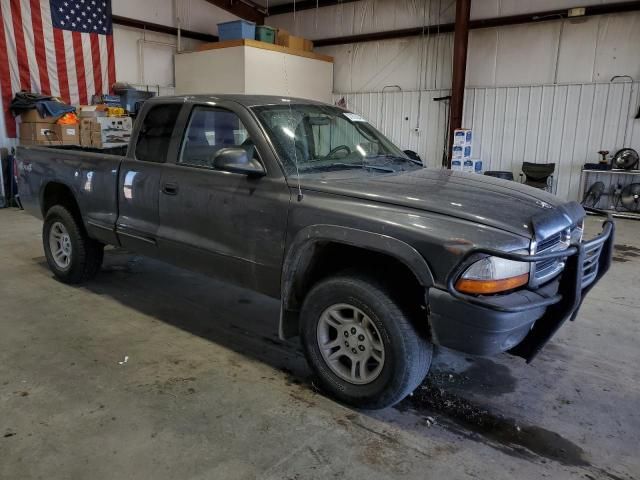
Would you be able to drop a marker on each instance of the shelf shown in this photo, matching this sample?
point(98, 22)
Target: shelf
point(619, 214)
point(264, 46)
point(614, 172)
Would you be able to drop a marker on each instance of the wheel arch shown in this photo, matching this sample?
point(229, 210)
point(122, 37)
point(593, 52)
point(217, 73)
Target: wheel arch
point(315, 251)
point(58, 193)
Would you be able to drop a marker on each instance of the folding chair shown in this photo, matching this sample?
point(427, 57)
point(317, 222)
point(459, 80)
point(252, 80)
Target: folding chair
point(538, 175)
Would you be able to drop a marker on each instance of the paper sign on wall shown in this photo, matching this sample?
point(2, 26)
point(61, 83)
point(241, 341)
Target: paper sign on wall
point(354, 117)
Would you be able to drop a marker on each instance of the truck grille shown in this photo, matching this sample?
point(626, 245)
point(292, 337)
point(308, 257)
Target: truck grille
point(547, 269)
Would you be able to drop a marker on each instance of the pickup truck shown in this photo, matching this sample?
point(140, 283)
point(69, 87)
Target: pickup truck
point(374, 258)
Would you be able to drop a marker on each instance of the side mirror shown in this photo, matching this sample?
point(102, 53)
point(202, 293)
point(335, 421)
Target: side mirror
point(236, 160)
point(413, 156)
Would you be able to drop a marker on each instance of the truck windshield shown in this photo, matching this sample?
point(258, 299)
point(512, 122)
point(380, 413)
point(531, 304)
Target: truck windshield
point(320, 138)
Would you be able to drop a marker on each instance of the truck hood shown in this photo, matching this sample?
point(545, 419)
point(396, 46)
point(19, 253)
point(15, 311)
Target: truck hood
point(494, 202)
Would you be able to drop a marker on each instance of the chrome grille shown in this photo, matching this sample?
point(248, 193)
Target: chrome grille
point(547, 269)
point(548, 243)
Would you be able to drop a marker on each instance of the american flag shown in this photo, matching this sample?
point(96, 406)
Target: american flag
point(62, 48)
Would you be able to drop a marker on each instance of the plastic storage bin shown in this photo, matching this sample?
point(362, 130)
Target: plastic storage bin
point(266, 34)
point(236, 30)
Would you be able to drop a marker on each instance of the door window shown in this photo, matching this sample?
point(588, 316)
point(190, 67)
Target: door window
point(156, 131)
point(209, 131)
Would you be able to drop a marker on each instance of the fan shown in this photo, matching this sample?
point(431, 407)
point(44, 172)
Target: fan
point(592, 197)
point(630, 197)
point(625, 159)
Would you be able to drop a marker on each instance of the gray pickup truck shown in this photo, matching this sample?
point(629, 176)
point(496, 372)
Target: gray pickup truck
point(374, 258)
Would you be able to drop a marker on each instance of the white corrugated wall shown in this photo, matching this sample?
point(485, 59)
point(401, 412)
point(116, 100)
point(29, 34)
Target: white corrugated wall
point(562, 124)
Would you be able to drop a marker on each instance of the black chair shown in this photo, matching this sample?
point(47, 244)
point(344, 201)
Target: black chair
point(499, 174)
point(538, 175)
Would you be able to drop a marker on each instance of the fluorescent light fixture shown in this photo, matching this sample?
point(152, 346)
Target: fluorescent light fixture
point(361, 150)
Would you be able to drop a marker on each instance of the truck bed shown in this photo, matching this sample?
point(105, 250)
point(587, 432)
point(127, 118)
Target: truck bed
point(92, 177)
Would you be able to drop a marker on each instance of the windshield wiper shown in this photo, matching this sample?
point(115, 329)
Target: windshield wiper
point(397, 157)
point(349, 165)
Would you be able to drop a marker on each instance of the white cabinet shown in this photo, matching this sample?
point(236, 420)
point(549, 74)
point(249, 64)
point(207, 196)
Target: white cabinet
point(252, 67)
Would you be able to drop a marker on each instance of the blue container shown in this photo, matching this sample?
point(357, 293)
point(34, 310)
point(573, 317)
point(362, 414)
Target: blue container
point(236, 30)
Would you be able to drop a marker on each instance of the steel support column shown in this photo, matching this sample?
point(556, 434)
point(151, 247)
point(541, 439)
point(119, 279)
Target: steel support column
point(460, 44)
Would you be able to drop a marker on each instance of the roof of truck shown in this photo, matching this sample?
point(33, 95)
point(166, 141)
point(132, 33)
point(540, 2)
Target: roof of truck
point(246, 100)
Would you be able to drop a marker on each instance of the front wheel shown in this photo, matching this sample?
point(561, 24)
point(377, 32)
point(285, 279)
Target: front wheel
point(72, 256)
point(361, 343)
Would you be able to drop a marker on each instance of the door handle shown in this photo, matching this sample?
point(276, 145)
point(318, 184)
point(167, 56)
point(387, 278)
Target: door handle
point(170, 188)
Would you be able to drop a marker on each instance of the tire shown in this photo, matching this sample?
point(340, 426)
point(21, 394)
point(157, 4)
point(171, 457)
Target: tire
point(82, 256)
point(406, 355)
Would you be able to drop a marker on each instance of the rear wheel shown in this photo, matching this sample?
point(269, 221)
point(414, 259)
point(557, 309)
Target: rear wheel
point(361, 343)
point(72, 256)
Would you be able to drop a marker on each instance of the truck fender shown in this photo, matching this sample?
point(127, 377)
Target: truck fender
point(301, 250)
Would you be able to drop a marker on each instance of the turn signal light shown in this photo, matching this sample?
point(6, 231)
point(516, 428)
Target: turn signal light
point(486, 287)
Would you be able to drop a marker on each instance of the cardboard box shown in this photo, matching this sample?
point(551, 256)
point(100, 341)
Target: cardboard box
point(90, 125)
point(462, 137)
point(295, 43)
point(467, 165)
point(91, 111)
point(282, 37)
point(69, 134)
point(32, 116)
point(308, 45)
point(110, 138)
point(39, 133)
point(113, 123)
point(285, 39)
point(85, 138)
point(456, 164)
point(461, 153)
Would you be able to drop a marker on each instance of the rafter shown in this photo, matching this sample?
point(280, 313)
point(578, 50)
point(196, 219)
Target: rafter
point(244, 9)
point(304, 5)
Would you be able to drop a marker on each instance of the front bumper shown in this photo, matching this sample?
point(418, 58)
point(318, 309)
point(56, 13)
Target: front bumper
point(523, 321)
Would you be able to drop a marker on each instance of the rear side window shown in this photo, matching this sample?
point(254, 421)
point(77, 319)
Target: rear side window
point(155, 133)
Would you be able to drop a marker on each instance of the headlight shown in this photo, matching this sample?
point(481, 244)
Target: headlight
point(493, 275)
point(578, 232)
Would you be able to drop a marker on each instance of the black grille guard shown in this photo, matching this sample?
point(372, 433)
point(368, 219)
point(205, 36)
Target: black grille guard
point(585, 264)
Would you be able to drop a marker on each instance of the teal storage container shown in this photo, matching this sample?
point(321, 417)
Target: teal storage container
point(236, 30)
point(265, 34)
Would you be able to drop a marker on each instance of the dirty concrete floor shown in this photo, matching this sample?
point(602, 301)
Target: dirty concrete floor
point(208, 391)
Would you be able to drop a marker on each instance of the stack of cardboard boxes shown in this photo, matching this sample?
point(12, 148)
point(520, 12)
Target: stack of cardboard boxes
point(37, 130)
point(461, 158)
point(97, 130)
point(285, 39)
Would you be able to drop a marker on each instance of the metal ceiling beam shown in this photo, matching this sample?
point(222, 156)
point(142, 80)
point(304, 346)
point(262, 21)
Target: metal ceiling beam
point(602, 9)
point(155, 27)
point(303, 5)
point(245, 9)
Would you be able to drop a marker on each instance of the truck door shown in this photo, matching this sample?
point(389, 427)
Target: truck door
point(139, 180)
point(221, 223)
